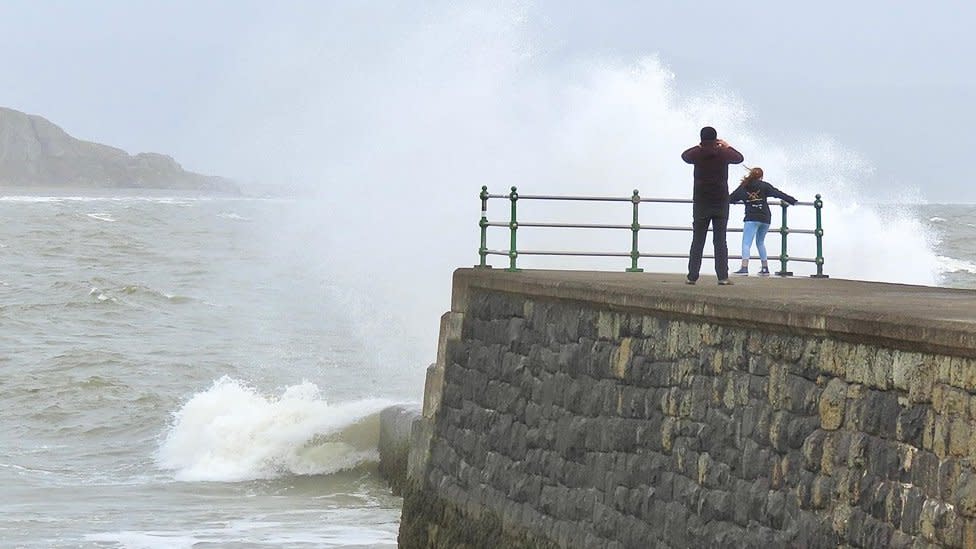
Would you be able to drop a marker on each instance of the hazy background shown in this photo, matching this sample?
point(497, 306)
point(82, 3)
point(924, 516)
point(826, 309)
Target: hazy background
point(268, 91)
point(387, 117)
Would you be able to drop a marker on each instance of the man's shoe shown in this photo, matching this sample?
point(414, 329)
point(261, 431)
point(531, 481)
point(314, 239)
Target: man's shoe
point(724, 282)
point(764, 271)
point(690, 281)
point(742, 272)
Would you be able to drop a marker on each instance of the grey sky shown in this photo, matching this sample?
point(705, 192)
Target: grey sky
point(238, 88)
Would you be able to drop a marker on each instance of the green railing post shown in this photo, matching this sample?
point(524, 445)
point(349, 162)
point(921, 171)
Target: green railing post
point(818, 205)
point(784, 231)
point(513, 225)
point(483, 250)
point(634, 228)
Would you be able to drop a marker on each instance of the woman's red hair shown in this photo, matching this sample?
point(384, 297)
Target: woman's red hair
point(755, 174)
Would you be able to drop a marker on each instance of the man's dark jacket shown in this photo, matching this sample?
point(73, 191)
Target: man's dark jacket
point(711, 162)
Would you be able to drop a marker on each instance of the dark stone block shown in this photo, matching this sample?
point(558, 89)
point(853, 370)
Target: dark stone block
point(659, 374)
point(813, 450)
point(774, 512)
point(802, 395)
point(741, 510)
point(676, 525)
point(686, 491)
point(587, 325)
point(798, 429)
point(865, 531)
point(569, 360)
point(664, 486)
point(756, 501)
point(910, 424)
point(758, 365)
point(716, 505)
point(812, 532)
point(654, 516)
point(757, 462)
point(791, 469)
point(911, 518)
point(925, 473)
point(882, 458)
point(950, 471)
point(876, 413)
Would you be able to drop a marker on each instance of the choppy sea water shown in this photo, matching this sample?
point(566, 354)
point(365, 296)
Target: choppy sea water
point(174, 374)
point(954, 229)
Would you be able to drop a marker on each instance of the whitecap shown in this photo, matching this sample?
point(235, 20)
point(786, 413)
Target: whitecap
point(953, 265)
point(231, 432)
point(101, 217)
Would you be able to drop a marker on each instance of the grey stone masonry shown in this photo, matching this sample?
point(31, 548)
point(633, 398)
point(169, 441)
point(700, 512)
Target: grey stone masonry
point(557, 418)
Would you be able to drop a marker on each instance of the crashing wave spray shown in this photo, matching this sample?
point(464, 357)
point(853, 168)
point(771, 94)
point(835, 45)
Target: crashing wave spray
point(230, 432)
point(462, 97)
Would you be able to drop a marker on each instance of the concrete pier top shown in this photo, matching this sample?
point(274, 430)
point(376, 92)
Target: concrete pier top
point(919, 318)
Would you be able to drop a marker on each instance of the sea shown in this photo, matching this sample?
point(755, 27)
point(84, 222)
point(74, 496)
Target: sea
point(174, 375)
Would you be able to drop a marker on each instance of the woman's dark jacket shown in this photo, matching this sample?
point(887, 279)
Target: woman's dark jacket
point(753, 194)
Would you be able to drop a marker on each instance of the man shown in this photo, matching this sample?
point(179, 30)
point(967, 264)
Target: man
point(711, 201)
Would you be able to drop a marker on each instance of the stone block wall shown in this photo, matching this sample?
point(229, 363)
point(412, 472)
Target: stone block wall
point(566, 424)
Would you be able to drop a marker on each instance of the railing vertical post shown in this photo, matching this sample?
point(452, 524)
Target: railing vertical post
point(634, 228)
point(513, 226)
point(784, 231)
point(818, 205)
point(483, 223)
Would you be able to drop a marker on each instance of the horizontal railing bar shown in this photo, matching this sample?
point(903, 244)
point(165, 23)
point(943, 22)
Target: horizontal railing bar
point(561, 225)
point(567, 253)
point(668, 200)
point(627, 254)
point(621, 199)
point(571, 198)
point(580, 198)
point(642, 227)
point(679, 228)
point(587, 254)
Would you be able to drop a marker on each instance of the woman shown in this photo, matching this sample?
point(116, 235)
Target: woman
point(752, 191)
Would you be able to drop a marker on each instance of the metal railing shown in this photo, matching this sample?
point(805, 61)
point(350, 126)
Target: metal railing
point(635, 227)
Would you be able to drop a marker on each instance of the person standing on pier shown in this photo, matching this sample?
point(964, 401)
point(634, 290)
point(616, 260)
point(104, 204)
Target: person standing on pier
point(753, 192)
point(711, 159)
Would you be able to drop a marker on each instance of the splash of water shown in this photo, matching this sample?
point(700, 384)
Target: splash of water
point(230, 432)
point(460, 97)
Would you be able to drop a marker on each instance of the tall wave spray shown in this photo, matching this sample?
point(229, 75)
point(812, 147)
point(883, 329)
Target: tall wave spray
point(405, 125)
point(230, 432)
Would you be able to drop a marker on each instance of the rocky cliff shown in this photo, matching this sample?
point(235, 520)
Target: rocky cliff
point(36, 153)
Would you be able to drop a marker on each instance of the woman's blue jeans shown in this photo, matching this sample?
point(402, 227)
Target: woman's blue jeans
point(754, 230)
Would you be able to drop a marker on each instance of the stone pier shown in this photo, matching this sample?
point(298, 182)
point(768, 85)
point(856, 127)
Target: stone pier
point(630, 410)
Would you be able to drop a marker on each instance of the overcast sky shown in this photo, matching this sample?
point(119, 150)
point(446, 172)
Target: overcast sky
point(233, 87)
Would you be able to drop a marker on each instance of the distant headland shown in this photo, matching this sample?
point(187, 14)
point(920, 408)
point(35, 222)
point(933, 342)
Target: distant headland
point(35, 153)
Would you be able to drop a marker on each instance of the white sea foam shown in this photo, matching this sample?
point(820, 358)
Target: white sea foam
point(102, 217)
point(953, 265)
point(231, 432)
point(145, 540)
